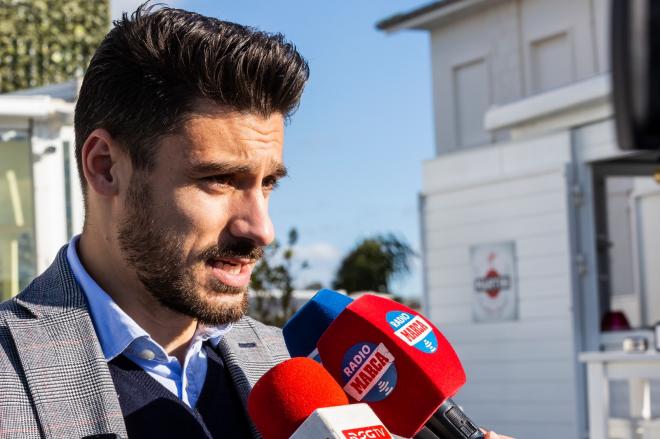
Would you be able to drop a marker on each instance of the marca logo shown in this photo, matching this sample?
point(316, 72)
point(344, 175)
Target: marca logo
point(374, 432)
point(369, 372)
point(413, 330)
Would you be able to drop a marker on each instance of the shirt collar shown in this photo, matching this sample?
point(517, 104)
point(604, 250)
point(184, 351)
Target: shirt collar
point(115, 329)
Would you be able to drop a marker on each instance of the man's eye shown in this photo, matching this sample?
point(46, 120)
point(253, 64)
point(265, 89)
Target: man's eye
point(218, 179)
point(270, 183)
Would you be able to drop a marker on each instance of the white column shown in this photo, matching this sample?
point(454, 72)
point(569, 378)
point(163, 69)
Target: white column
point(599, 400)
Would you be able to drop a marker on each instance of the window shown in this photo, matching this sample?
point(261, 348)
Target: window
point(552, 62)
point(630, 242)
point(472, 99)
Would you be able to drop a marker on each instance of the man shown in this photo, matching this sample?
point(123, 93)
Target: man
point(139, 328)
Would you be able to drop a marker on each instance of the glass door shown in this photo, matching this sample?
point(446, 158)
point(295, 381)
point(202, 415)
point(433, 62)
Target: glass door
point(17, 236)
point(647, 209)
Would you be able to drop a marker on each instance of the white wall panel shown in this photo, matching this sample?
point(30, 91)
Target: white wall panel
point(495, 392)
point(457, 255)
point(556, 264)
point(508, 350)
point(558, 306)
point(493, 210)
point(539, 245)
point(534, 330)
point(441, 197)
point(522, 198)
point(499, 163)
point(492, 231)
point(560, 428)
point(531, 288)
point(519, 370)
point(538, 412)
point(544, 286)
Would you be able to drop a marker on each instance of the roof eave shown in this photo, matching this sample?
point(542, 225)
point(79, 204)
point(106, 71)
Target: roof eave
point(34, 107)
point(429, 16)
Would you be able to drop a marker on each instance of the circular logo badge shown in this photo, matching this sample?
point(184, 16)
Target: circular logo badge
point(369, 372)
point(413, 330)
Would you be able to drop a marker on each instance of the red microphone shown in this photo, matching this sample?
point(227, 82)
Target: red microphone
point(298, 399)
point(390, 357)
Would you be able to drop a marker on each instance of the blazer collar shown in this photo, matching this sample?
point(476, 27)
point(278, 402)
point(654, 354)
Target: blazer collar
point(66, 372)
point(247, 358)
point(53, 292)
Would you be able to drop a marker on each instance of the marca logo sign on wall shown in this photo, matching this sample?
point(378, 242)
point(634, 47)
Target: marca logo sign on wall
point(494, 280)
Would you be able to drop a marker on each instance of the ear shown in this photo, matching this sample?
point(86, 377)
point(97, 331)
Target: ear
point(102, 160)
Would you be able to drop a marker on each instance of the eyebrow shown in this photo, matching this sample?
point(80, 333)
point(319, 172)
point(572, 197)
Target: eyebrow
point(279, 170)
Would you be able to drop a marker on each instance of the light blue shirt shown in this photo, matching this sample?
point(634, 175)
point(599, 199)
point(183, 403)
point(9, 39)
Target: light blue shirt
point(119, 334)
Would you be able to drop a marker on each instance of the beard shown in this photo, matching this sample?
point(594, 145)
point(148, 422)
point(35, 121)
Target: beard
point(156, 254)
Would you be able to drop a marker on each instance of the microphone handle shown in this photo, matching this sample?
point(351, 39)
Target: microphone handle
point(450, 422)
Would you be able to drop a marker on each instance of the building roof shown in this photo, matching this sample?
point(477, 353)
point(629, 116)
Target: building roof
point(39, 107)
point(396, 19)
point(429, 15)
point(42, 102)
point(67, 91)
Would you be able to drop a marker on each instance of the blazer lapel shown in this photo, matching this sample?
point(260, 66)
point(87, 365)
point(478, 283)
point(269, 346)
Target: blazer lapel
point(65, 370)
point(248, 354)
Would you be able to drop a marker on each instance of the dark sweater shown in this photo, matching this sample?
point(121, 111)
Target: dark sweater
point(150, 410)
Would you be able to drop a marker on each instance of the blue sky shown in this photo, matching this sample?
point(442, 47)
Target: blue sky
point(355, 147)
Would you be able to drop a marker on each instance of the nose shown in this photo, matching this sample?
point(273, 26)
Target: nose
point(251, 220)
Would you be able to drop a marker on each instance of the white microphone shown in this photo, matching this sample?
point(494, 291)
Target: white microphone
point(355, 421)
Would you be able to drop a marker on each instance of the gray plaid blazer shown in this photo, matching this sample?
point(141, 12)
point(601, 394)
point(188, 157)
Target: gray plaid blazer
point(54, 379)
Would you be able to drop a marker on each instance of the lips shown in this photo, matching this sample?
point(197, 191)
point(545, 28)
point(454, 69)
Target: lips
point(234, 272)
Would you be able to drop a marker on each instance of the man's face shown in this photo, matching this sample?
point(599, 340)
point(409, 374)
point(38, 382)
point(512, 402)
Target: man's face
point(194, 226)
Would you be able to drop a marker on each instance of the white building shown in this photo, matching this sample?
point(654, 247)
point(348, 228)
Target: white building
point(40, 197)
point(528, 181)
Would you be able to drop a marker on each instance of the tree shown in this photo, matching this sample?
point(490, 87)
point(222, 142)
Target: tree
point(48, 41)
point(273, 282)
point(373, 264)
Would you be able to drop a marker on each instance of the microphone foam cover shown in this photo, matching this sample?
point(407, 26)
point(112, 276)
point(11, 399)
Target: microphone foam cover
point(389, 356)
point(303, 330)
point(288, 393)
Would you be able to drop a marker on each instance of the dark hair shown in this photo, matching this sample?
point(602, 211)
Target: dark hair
point(151, 69)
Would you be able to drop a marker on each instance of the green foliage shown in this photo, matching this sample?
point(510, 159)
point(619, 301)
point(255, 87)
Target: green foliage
point(373, 263)
point(275, 272)
point(48, 41)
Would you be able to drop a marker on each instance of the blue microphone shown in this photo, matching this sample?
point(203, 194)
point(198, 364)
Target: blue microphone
point(304, 329)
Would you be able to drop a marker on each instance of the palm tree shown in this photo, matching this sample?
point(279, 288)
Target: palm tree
point(373, 263)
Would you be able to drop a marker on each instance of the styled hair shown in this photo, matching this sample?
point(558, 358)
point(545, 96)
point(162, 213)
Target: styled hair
point(153, 67)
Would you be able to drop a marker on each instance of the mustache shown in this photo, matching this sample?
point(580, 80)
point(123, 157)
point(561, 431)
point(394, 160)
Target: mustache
point(242, 249)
